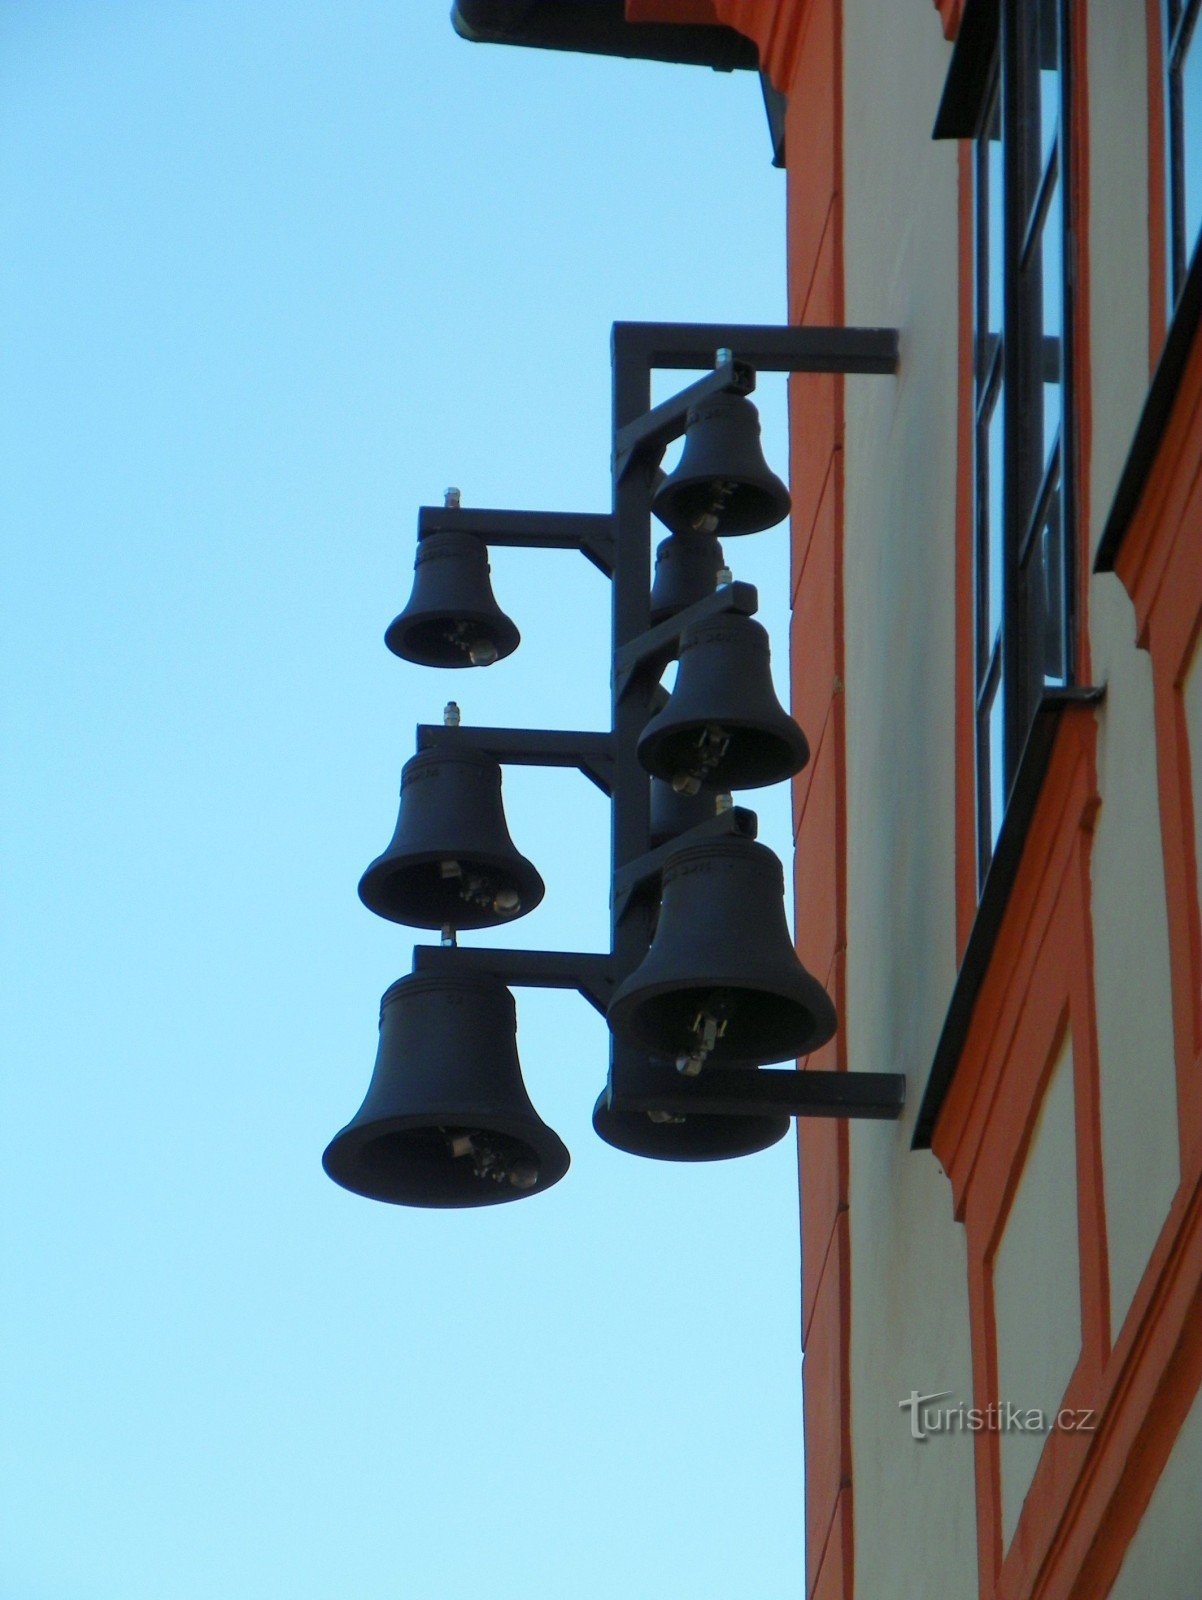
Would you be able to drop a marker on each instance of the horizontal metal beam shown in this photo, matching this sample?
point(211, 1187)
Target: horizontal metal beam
point(767, 348)
point(592, 975)
point(588, 531)
point(765, 1091)
point(591, 752)
point(655, 648)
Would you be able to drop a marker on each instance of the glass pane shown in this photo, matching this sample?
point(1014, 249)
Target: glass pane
point(1191, 118)
point(997, 766)
point(1048, 46)
point(993, 219)
point(1052, 273)
point(993, 542)
point(1051, 560)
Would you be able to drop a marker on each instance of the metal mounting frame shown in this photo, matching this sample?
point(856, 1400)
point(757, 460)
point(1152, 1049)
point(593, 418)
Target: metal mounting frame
point(620, 545)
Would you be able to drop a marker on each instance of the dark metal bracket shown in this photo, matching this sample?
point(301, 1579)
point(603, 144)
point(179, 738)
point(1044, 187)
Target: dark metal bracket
point(592, 753)
point(655, 648)
point(590, 532)
point(628, 880)
point(652, 433)
point(592, 975)
point(768, 348)
point(767, 1091)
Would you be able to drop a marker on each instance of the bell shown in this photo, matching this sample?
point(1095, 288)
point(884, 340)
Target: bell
point(686, 570)
point(451, 862)
point(721, 981)
point(452, 619)
point(722, 484)
point(447, 1120)
point(723, 727)
point(673, 814)
point(663, 1137)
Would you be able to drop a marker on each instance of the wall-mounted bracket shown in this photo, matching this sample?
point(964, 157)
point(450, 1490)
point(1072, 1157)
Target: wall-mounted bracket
point(652, 433)
point(590, 974)
point(765, 1091)
point(655, 648)
point(628, 880)
point(591, 752)
point(592, 533)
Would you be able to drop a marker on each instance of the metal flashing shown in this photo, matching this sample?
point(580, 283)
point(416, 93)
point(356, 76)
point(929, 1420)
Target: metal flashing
point(599, 27)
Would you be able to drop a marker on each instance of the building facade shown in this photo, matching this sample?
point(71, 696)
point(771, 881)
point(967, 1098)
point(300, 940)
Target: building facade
point(997, 598)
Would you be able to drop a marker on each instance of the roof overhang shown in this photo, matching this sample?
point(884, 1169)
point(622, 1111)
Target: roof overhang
point(599, 27)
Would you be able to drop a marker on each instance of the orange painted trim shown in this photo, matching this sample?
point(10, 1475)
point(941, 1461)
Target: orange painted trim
point(1158, 209)
point(1160, 565)
point(694, 11)
point(950, 12)
point(965, 620)
point(1039, 987)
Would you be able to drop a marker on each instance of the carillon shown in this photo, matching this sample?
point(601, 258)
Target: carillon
point(701, 985)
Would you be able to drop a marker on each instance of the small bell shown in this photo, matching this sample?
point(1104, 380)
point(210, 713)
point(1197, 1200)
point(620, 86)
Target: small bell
point(721, 981)
point(722, 484)
point(452, 619)
point(686, 570)
point(451, 862)
point(447, 1120)
point(723, 727)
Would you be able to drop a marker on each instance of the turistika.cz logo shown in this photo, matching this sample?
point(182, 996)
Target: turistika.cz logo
point(928, 1417)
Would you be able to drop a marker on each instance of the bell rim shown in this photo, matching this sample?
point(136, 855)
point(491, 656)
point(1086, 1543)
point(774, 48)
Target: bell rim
point(623, 1020)
point(349, 1143)
point(652, 740)
point(529, 882)
point(504, 633)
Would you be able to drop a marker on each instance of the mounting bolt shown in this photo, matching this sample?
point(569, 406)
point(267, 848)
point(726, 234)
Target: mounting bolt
point(450, 499)
point(450, 714)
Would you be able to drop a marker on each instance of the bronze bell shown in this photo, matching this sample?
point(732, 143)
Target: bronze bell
point(721, 980)
point(707, 1137)
point(447, 1120)
point(723, 727)
point(452, 619)
point(686, 570)
point(722, 484)
point(451, 862)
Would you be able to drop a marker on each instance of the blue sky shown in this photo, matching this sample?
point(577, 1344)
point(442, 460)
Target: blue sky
point(274, 275)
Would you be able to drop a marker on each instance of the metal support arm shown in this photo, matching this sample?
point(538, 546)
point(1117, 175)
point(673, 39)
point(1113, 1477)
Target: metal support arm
point(765, 1091)
point(591, 752)
point(654, 431)
point(592, 975)
point(590, 532)
point(655, 648)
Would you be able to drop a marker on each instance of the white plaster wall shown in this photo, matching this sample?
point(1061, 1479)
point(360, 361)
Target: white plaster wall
point(914, 1502)
point(1140, 1156)
point(1164, 1559)
point(1116, 36)
point(1036, 1285)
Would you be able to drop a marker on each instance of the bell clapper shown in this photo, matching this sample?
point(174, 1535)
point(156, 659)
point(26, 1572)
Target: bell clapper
point(490, 1161)
point(507, 902)
point(712, 744)
point(482, 653)
point(664, 1117)
point(709, 1025)
point(523, 1173)
point(450, 869)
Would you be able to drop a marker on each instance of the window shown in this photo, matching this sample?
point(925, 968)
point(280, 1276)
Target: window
point(1183, 61)
point(1022, 592)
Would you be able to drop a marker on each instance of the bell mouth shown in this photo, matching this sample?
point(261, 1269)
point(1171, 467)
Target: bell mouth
point(443, 1165)
point(688, 1138)
point(484, 893)
point(750, 757)
point(759, 1025)
point(719, 508)
point(444, 640)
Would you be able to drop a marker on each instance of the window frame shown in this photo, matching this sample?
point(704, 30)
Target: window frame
point(1181, 21)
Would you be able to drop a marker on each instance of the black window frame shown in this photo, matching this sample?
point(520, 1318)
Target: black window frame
point(996, 70)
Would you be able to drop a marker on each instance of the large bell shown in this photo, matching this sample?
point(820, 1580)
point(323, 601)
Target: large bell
point(723, 727)
point(708, 1137)
point(722, 484)
point(447, 1120)
point(686, 570)
point(451, 862)
point(452, 619)
point(721, 981)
